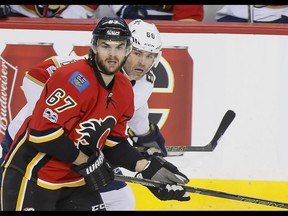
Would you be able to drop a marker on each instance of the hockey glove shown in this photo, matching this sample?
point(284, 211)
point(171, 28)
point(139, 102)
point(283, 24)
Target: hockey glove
point(152, 143)
point(132, 12)
point(170, 192)
point(161, 170)
point(97, 171)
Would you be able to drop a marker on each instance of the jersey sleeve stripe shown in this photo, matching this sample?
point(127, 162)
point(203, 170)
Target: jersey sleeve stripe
point(46, 138)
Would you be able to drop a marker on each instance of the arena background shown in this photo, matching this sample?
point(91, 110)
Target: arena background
point(242, 67)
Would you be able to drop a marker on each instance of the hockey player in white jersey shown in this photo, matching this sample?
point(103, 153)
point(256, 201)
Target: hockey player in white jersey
point(144, 56)
point(138, 68)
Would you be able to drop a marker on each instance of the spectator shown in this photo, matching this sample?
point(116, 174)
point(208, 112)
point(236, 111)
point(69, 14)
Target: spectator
point(253, 13)
point(58, 11)
point(160, 12)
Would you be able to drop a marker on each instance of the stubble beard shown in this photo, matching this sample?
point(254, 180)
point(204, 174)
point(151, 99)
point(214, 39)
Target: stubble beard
point(104, 69)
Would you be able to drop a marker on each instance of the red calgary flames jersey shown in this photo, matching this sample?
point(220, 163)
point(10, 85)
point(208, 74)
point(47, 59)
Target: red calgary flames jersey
point(74, 102)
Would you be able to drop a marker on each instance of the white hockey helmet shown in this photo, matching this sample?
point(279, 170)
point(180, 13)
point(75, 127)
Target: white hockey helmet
point(146, 37)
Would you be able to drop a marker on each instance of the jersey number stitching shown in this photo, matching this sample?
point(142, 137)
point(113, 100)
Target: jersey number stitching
point(56, 96)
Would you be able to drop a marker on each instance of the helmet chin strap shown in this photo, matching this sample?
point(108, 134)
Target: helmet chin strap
point(152, 65)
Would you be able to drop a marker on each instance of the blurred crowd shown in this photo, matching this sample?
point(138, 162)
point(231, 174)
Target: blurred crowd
point(144, 12)
point(194, 13)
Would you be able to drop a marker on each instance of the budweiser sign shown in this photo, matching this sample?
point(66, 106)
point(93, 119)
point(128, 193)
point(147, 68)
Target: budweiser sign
point(7, 84)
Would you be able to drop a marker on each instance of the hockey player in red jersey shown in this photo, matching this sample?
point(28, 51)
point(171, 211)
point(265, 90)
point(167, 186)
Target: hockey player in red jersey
point(56, 156)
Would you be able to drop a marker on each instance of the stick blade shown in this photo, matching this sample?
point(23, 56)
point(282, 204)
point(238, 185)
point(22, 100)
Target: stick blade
point(224, 124)
point(226, 121)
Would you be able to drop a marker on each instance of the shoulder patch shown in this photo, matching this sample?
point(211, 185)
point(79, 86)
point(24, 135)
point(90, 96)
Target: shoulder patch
point(79, 81)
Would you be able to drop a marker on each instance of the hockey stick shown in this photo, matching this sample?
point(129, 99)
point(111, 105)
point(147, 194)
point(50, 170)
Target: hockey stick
point(207, 192)
point(224, 124)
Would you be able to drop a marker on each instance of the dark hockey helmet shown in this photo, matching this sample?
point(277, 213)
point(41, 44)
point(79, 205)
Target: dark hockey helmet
point(112, 28)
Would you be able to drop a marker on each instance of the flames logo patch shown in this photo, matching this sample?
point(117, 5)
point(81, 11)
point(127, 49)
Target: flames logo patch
point(94, 132)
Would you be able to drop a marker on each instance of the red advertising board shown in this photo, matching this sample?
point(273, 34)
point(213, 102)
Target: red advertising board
point(172, 98)
point(15, 60)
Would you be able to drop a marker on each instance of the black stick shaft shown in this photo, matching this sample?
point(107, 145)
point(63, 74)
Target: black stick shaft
point(207, 192)
point(236, 197)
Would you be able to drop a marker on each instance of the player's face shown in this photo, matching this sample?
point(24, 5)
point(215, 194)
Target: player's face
point(110, 55)
point(138, 63)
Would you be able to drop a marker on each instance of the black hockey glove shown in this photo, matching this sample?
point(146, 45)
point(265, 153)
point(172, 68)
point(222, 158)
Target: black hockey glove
point(170, 192)
point(150, 144)
point(161, 170)
point(4, 10)
point(132, 12)
point(97, 171)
